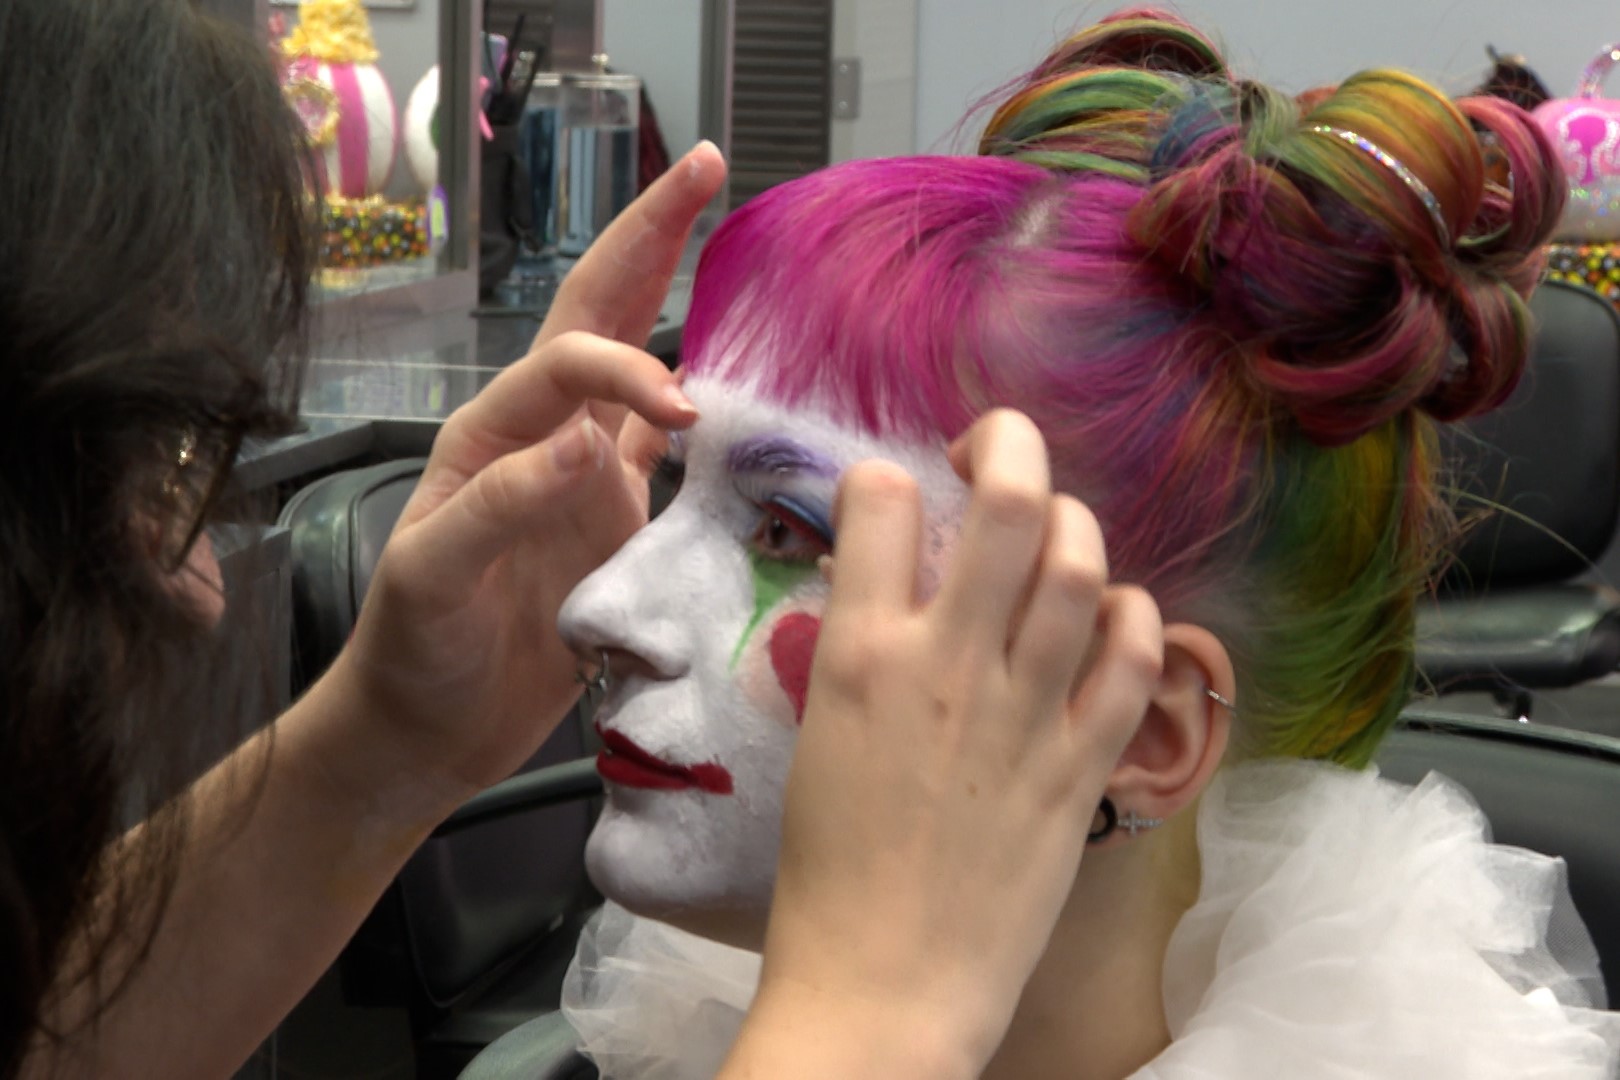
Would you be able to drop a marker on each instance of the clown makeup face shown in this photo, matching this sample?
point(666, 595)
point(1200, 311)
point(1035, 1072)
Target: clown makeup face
point(710, 614)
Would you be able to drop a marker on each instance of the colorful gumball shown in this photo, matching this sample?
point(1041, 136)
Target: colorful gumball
point(362, 233)
point(1597, 266)
point(332, 79)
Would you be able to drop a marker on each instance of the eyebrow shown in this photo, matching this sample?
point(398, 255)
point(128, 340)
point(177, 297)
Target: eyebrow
point(778, 454)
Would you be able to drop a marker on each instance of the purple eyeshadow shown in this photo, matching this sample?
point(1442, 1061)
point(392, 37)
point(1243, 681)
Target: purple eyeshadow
point(778, 454)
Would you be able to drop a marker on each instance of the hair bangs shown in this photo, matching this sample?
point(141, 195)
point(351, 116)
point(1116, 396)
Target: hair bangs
point(868, 289)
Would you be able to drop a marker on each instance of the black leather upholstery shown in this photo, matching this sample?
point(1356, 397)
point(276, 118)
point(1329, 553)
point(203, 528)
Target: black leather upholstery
point(339, 526)
point(1556, 635)
point(1550, 790)
point(1551, 453)
point(475, 934)
point(1550, 458)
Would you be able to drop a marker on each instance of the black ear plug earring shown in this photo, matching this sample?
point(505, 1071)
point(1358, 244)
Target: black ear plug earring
point(1112, 822)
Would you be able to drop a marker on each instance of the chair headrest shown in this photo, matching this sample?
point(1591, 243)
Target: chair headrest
point(339, 525)
point(1551, 453)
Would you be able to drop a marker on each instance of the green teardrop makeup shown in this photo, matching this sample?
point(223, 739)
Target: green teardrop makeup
point(783, 551)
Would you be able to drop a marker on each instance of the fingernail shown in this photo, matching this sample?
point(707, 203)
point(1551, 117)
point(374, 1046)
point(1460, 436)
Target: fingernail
point(677, 400)
point(692, 167)
point(573, 451)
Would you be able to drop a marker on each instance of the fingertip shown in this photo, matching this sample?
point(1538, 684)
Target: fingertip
point(703, 169)
point(996, 428)
point(1009, 426)
point(868, 480)
point(704, 157)
point(1073, 522)
point(576, 449)
point(678, 407)
point(877, 522)
point(1130, 612)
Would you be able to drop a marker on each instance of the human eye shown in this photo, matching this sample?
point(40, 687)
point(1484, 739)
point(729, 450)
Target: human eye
point(669, 471)
point(790, 531)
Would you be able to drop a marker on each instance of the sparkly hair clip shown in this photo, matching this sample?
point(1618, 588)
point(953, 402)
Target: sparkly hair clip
point(1407, 176)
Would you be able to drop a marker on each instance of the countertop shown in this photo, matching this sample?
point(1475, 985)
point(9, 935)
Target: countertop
point(384, 392)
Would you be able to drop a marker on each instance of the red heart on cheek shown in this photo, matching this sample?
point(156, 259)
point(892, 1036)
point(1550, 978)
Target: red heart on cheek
point(793, 644)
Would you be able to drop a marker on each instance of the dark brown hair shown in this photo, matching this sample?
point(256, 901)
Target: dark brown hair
point(155, 253)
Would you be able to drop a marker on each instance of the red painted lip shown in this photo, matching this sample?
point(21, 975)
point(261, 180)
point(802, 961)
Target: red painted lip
point(623, 762)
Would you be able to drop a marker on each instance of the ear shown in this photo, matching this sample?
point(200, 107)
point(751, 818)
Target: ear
point(1183, 737)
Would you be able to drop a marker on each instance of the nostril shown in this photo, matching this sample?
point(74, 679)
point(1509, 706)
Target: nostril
point(616, 610)
point(619, 662)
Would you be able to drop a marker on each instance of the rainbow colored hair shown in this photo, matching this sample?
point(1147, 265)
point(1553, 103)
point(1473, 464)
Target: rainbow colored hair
point(1233, 332)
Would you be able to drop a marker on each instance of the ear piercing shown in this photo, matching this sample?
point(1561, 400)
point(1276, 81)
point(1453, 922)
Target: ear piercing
point(1132, 822)
point(1112, 822)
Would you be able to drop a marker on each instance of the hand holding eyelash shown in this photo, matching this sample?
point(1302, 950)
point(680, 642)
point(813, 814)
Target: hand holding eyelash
point(953, 753)
point(456, 663)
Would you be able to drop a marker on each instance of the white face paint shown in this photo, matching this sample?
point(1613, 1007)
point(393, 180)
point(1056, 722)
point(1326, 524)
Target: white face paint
point(715, 606)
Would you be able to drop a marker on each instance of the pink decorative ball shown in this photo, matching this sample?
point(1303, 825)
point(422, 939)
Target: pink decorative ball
point(1585, 131)
point(356, 153)
point(1587, 135)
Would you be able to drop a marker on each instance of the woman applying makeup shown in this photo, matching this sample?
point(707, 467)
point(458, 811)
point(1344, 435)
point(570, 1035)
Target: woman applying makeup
point(156, 244)
point(1231, 323)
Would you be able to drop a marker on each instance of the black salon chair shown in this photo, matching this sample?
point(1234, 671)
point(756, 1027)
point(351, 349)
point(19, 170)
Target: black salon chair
point(475, 935)
point(1509, 619)
point(1547, 789)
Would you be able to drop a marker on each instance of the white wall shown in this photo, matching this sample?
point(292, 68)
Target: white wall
point(883, 34)
point(661, 41)
point(967, 48)
point(407, 38)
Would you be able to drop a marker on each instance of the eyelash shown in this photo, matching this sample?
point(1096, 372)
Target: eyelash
point(786, 514)
point(668, 471)
point(777, 511)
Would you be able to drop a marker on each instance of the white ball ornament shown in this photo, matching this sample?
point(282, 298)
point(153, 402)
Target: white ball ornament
point(421, 131)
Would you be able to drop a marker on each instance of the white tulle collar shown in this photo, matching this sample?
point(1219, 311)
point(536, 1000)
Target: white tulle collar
point(1347, 926)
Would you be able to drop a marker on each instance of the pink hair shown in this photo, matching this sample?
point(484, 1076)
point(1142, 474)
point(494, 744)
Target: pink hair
point(1232, 330)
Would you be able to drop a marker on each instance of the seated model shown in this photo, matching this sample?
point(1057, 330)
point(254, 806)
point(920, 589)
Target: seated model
point(1236, 319)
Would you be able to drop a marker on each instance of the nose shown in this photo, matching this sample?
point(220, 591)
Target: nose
point(638, 607)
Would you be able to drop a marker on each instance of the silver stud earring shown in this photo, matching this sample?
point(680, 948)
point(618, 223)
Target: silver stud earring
point(1133, 824)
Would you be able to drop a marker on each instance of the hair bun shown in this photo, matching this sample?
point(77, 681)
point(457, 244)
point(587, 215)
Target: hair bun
point(1095, 103)
point(1348, 243)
